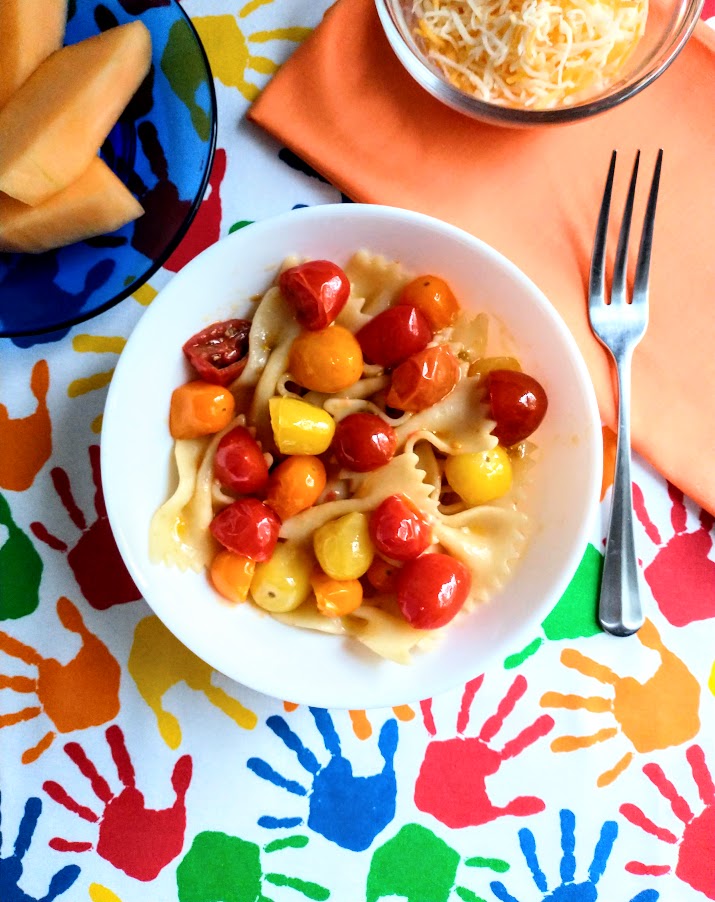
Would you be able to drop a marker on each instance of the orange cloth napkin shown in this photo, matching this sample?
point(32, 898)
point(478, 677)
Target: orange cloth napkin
point(345, 105)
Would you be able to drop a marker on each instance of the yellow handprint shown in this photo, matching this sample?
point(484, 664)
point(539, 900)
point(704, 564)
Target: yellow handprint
point(657, 714)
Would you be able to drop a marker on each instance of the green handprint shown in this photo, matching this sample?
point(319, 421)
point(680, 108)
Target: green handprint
point(574, 615)
point(420, 867)
point(223, 868)
point(20, 569)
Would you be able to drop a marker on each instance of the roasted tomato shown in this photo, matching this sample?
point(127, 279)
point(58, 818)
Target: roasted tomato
point(247, 527)
point(316, 291)
point(398, 530)
point(363, 442)
point(424, 379)
point(239, 464)
point(393, 335)
point(432, 589)
point(517, 402)
point(219, 352)
point(433, 297)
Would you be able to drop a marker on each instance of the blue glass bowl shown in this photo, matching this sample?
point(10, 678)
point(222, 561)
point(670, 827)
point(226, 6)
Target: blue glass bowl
point(162, 148)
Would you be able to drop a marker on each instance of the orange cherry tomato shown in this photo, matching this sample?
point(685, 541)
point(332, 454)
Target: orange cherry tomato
point(382, 575)
point(199, 408)
point(433, 297)
point(424, 379)
point(231, 575)
point(336, 597)
point(327, 360)
point(295, 485)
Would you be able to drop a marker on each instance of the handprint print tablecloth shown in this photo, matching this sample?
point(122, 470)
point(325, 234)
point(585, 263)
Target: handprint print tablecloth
point(580, 768)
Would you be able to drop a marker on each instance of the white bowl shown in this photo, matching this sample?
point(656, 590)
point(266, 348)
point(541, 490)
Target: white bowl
point(242, 642)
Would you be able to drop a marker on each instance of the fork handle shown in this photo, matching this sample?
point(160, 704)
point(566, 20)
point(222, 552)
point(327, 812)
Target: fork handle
point(620, 612)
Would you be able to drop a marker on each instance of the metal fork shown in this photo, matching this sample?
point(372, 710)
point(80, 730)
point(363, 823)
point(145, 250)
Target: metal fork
point(619, 326)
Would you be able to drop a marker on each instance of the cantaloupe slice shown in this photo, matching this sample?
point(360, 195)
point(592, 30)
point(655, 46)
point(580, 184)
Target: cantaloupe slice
point(56, 121)
point(94, 204)
point(28, 35)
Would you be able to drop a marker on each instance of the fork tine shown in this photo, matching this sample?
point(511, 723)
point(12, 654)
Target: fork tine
point(640, 284)
point(618, 287)
point(597, 278)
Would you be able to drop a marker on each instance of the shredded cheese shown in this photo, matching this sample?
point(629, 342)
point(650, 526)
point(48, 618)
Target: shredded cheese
point(537, 54)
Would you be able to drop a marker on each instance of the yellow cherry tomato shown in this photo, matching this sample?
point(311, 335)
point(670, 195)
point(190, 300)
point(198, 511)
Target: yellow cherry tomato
point(283, 583)
point(433, 297)
point(231, 575)
point(336, 597)
point(480, 477)
point(343, 547)
point(295, 485)
point(484, 365)
point(299, 427)
point(328, 360)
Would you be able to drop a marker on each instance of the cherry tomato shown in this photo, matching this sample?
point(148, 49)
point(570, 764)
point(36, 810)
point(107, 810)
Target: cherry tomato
point(326, 360)
point(247, 527)
point(424, 379)
point(382, 575)
point(317, 291)
point(295, 485)
point(299, 427)
point(517, 403)
point(231, 575)
point(432, 589)
point(200, 408)
point(398, 530)
point(433, 297)
point(393, 335)
point(335, 597)
point(239, 464)
point(480, 477)
point(363, 442)
point(219, 352)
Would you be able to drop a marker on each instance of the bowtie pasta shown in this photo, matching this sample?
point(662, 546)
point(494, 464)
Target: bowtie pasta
point(352, 459)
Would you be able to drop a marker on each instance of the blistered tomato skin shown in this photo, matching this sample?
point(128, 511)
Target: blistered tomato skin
point(434, 298)
point(517, 402)
point(398, 530)
point(326, 360)
point(424, 379)
point(247, 527)
point(364, 442)
point(432, 589)
point(393, 335)
point(316, 291)
point(239, 464)
point(219, 352)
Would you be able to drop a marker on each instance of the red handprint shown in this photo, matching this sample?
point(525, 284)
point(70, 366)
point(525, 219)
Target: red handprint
point(451, 784)
point(696, 842)
point(135, 839)
point(95, 559)
point(681, 576)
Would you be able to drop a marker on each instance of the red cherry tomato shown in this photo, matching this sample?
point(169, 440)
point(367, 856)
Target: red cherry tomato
point(382, 575)
point(398, 530)
point(393, 335)
point(247, 527)
point(432, 589)
point(517, 402)
point(363, 442)
point(219, 352)
point(317, 291)
point(239, 464)
point(424, 379)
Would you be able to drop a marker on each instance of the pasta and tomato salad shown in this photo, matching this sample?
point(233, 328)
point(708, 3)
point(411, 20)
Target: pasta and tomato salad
point(352, 457)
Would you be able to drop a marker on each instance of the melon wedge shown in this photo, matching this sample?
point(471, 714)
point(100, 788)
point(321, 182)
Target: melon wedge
point(93, 205)
point(27, 37)
point(55, 123)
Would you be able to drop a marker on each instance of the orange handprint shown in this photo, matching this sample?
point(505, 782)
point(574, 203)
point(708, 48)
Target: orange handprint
point(82, 693)
point(657, 714)
point(26, 442)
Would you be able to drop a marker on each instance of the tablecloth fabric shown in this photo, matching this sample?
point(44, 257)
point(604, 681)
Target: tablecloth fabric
point(580, 768)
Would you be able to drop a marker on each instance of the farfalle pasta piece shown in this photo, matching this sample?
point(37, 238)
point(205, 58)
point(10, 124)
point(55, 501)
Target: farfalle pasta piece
point(375, 279)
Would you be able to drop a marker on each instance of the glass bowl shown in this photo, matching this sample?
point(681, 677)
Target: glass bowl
point(162, 148)
point(669, 25)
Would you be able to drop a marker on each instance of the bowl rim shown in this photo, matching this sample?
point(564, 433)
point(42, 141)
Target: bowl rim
point(331, 696)
point(517, 116)
point(181, 230)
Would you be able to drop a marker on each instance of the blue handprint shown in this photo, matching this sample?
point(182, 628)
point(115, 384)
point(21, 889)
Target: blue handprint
point(11, 866)
point(568, 890)
point(348, 810)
